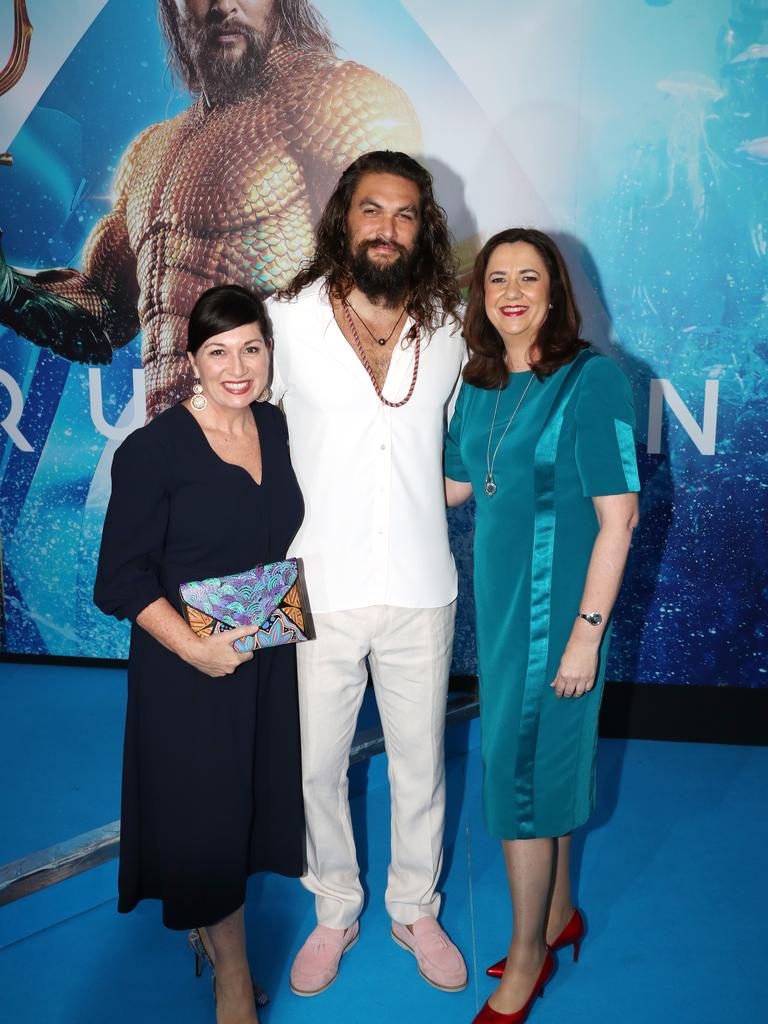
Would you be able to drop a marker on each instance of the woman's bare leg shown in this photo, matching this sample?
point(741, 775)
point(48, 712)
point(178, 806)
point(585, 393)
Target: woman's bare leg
point(234, 991)
point(530, 866)
point(561, 906)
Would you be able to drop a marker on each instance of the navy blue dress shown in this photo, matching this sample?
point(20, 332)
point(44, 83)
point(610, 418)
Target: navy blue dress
point(211, 767)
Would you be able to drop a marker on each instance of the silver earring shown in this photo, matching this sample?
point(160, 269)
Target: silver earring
point(551, 306)
point(198, 401)
point(265, 395)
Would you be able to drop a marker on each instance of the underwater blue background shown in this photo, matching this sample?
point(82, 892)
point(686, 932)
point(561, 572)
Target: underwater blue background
point(634, 131)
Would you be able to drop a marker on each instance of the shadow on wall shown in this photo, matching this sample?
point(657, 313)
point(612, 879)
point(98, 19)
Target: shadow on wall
point(450, 190)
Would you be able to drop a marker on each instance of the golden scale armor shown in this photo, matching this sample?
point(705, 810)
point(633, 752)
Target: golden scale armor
point(219, 195)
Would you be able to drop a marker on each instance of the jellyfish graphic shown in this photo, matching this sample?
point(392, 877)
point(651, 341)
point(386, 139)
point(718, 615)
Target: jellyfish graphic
point(689, 154)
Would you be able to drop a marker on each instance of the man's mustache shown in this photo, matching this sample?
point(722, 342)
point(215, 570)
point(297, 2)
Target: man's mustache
point(372, 242)
point(212, 32)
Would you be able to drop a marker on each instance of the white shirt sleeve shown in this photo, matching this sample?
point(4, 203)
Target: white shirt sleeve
point(278, 384)
point(449, 409)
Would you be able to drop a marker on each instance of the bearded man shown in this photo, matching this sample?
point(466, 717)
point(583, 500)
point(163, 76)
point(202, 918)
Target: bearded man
point(226, 192)
point(367, 356)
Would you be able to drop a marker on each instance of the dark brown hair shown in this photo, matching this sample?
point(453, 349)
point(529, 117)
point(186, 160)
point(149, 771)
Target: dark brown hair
point(224, 308)
point(558, 339)
point(297, 23)
point(435, 294)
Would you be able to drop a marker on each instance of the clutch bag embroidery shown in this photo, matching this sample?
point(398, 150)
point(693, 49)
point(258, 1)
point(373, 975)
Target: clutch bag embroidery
point(270, 597)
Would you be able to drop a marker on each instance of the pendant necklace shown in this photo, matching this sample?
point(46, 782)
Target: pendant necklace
point(379, 341)
point(490, 462)
point(414, 333)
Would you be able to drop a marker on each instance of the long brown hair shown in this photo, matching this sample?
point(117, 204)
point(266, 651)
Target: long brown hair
point(297, 23)
point(435, 293)
point(557, 340)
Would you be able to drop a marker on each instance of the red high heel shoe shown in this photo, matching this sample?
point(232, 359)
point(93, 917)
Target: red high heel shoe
point(571, 935)
point(488, 1015)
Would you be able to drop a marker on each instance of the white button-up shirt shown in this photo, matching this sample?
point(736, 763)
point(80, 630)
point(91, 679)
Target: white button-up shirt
point(374, 530)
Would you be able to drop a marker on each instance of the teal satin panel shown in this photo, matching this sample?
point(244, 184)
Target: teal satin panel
point(541, 576)
point(626, 439)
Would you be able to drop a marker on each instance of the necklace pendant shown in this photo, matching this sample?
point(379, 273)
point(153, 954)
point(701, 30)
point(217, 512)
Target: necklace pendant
point(490, 486)
point(382, 341)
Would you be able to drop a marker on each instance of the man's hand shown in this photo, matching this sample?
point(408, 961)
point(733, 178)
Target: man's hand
point(48, 319)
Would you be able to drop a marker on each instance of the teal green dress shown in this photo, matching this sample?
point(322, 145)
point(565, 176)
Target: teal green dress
point(572, 439)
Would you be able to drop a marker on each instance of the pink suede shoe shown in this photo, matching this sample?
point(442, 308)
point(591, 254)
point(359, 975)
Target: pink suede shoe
point(317, 963)
point(440, 962)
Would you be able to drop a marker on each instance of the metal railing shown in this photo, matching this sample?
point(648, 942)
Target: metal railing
point(72, 857)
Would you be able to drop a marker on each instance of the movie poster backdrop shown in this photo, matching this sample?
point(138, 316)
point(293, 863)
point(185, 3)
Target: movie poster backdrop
point(634, 131)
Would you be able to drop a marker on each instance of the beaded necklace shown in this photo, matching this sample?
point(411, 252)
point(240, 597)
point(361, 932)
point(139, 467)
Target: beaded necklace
point(368, 367)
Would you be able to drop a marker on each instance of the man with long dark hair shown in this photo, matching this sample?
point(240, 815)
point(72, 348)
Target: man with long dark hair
point(227, 191)
point(367, 356)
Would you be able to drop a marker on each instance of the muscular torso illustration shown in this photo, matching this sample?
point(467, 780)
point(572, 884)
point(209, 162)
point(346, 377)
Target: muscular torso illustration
point(216, 195)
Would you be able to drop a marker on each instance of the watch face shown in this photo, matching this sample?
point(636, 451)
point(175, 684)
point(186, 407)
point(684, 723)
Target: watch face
point(595, 618)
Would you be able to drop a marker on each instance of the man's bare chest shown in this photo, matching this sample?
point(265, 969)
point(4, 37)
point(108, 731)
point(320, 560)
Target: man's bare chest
point(378, 359)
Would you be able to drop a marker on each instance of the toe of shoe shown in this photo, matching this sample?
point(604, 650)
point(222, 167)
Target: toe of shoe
point(307, 984)
point(448, 981)
point(444, 968)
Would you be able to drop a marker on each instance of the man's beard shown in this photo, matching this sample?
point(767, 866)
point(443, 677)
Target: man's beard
point(389, 281)
point(224, 79)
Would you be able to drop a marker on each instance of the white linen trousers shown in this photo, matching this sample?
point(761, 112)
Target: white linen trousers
point(409, 652)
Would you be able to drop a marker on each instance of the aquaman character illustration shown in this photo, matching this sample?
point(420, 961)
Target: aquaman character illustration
point(226, 192)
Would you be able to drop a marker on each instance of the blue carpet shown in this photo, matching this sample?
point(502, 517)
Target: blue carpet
point(670, 873)
point(61, 733)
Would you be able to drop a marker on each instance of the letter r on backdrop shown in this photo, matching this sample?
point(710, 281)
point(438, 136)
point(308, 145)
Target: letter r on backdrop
point(11, 422)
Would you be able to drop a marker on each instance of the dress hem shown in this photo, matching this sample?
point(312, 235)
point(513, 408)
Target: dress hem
point(495, 834)
point(126, 906)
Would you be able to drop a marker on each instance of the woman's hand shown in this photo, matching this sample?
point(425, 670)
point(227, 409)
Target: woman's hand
point(617, 517)
point(578, 669)
point(214, 655)
point(456, 492)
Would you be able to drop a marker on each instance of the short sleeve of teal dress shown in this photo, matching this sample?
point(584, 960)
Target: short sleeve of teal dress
point(605, 440)
point(570, 440)
point(454, 467)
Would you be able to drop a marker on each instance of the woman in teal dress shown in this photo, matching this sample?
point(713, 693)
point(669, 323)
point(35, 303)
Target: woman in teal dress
point(542, 436)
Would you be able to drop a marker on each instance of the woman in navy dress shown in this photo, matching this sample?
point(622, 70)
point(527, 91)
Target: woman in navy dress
point(211, 771)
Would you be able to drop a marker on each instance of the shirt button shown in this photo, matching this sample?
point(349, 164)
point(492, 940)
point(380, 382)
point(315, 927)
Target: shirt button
point(383, 447)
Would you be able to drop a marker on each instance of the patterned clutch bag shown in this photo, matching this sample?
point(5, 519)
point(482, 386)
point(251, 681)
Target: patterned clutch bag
point(270, 597)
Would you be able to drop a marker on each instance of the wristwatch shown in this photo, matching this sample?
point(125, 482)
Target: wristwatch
point(593, 618)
